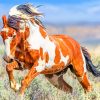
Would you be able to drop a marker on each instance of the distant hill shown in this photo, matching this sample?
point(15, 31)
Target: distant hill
point(84, 32)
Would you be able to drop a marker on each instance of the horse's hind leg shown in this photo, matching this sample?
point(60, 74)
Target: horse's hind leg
point(79, 67)
point(63, 85)
point(59, 82)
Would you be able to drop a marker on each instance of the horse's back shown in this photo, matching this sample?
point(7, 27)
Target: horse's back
point(71, 46)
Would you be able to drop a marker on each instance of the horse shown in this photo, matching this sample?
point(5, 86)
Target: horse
point(28, 46)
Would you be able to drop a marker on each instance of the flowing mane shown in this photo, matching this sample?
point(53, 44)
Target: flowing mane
point(22, 13)
point(28, 9)
point(13, 22)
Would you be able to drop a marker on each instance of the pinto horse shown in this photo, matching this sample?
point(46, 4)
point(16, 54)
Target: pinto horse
point(28, 46)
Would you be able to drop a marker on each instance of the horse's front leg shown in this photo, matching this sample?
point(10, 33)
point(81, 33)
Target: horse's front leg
point(9, 68)
point(27, 80)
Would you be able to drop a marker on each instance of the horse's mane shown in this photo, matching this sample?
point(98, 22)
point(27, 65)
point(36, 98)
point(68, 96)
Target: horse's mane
point(38, 21)
point(13, 22)
point(28, 10)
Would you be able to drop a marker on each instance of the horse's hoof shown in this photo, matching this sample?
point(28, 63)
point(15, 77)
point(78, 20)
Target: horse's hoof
point(15, 86)
point(12, 84)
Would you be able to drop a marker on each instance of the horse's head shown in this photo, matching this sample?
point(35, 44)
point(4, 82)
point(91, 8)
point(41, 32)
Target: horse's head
point(17, 26)
point(9, 36)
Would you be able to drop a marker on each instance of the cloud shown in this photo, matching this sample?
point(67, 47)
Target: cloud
point(4, 9)
point(65, 13)
point(88, 12)
point(94, 10)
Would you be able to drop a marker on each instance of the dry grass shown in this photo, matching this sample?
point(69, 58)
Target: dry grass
point(41, 89)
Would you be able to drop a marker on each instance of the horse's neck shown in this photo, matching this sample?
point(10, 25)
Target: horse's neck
point(37, 35)
point(37, 30)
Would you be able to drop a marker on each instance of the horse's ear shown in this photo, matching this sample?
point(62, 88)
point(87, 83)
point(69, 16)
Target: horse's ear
point(4, 19)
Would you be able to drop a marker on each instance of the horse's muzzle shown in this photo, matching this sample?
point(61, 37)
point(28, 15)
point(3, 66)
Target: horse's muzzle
point(7, 59)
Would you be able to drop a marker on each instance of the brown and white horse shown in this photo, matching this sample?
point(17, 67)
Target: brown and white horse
point(27, 45)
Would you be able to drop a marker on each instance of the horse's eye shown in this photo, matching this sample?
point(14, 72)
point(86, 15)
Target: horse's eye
point(14, 36)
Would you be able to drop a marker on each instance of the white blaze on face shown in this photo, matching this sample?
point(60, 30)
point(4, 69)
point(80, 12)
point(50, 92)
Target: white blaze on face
point(7, 46)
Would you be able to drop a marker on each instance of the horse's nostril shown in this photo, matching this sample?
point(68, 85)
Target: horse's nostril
point(11, 60)
point(7, 59)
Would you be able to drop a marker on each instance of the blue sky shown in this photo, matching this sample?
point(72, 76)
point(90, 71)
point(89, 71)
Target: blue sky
point(60, 11)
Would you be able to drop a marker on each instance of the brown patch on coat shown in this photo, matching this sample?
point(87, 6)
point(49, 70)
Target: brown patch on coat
point(43, 32)
point(57, 55)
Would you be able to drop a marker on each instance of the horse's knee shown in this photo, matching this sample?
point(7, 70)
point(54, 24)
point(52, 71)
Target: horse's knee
point(11, 66)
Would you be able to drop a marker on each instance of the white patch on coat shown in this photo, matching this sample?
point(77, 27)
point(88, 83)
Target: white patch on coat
point(41, 65)
point(64, 59)
point(7, 46)
point(36, 41)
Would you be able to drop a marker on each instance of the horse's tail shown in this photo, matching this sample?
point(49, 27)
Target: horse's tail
point(89, 64)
